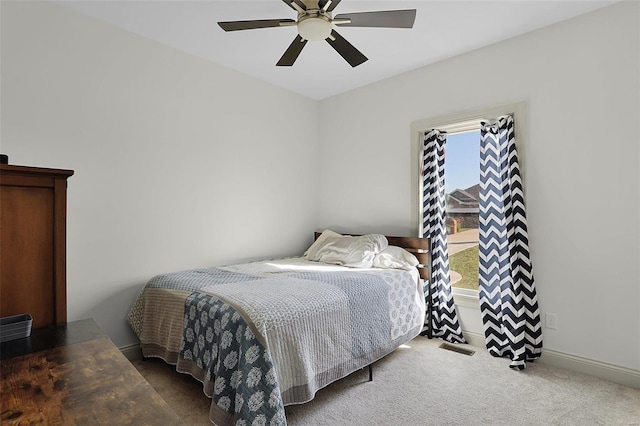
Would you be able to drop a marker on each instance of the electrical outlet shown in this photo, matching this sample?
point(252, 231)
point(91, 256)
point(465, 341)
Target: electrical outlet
point(551, 321)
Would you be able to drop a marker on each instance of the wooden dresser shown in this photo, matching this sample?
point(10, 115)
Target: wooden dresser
point(33, 211)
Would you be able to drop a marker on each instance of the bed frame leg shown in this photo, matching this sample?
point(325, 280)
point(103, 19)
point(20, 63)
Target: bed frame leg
point(370, 372)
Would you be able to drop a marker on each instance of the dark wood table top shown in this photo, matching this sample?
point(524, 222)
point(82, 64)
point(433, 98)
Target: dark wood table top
point(52, 337)
point(77, 376)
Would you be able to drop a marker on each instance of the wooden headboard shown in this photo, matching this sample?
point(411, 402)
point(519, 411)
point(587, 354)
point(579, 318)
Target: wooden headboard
point(419, 247)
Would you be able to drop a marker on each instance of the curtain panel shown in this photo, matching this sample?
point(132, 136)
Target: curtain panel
point(443, 317)
point(508, 300)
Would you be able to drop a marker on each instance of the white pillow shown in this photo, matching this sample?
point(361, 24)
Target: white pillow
point(355, 252)
point(321, 240)
point(395, 258)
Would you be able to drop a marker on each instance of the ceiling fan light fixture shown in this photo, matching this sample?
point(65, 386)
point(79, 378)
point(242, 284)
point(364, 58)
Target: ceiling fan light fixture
point(314, 28)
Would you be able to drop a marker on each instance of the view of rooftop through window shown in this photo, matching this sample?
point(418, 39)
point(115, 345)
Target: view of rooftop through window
point(462, 189)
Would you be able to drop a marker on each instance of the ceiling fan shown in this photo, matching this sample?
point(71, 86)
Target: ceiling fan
point(315, 22)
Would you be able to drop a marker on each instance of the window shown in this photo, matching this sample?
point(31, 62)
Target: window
point(462, 194)
point(463, 145)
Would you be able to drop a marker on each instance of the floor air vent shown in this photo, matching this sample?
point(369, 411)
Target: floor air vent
point(458, 349)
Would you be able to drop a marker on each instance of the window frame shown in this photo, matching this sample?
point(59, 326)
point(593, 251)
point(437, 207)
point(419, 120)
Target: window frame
point(459, 123)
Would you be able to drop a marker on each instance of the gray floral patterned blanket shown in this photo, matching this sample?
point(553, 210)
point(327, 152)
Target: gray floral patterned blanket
point(256, 335)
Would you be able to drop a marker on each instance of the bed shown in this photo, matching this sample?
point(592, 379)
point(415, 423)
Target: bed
point(263, 335)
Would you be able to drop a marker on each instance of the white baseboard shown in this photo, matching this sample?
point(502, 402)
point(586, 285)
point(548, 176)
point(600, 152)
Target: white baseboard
point(601, 370)
point(131, 352)
point(474, 339)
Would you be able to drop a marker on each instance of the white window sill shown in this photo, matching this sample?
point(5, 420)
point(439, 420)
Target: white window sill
point(466, 297)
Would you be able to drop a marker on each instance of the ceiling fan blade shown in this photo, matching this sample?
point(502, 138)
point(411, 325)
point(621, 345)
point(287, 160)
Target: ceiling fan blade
point(292, 52)
point(252, 25)
point(383, 19)
point(346, 49)
point(298, 3)
point(331, 6)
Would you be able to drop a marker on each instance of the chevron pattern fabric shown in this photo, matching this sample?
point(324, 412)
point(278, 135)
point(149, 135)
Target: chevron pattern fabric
point(508, 299)
point(443, 313)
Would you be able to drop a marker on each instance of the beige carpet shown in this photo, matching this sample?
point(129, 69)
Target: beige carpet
point(421, 384)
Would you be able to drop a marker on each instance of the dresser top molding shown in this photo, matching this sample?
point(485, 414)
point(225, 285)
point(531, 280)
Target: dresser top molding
point(10, 169)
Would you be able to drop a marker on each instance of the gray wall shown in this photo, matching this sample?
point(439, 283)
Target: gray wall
point(579, 80)
point(179, 163)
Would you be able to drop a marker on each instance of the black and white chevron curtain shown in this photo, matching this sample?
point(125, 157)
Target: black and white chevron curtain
point(508, 300)
point(443, 313)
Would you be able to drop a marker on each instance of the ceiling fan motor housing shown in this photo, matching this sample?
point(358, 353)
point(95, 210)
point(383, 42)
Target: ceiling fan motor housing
point(314, 27)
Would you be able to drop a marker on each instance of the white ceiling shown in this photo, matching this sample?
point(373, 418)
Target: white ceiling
point(442, 29)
